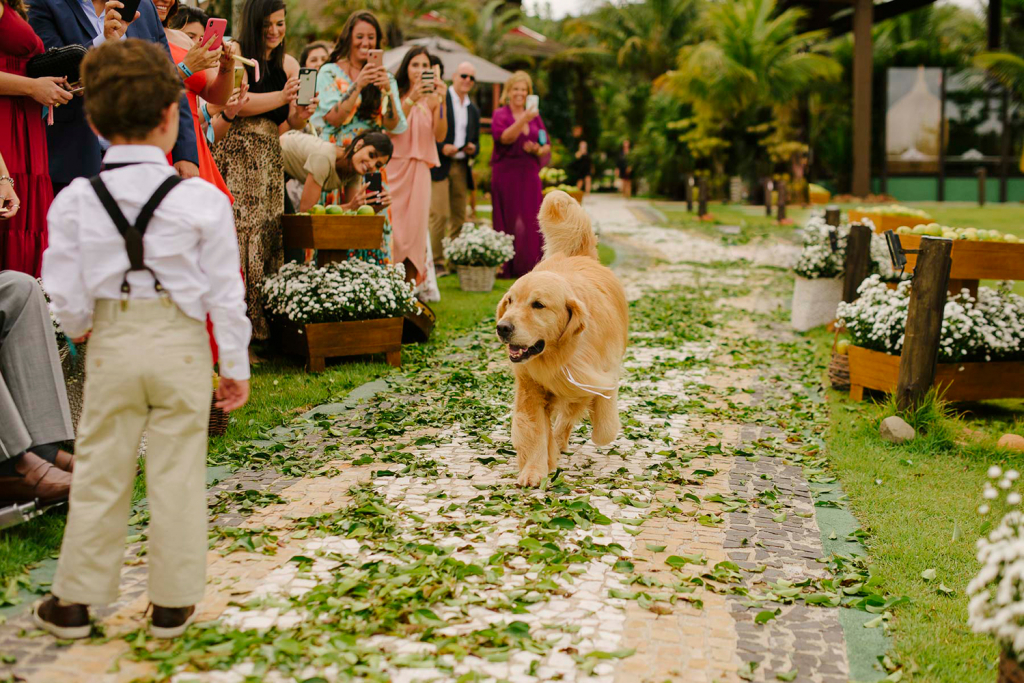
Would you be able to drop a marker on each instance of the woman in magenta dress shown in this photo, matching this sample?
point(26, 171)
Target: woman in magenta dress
point(23, 140)
point(521, 149)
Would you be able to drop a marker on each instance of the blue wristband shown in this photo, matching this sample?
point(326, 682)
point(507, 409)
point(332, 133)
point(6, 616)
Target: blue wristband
point(188, 72)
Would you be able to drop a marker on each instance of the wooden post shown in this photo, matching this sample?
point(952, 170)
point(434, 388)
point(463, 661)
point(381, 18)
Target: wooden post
point(702, 197)
point(689, 193)
point(982, 181)
point(832, 215)
point(768, 187)
point(863, 18)
point(924, 322)
point(780, 214)
point(858, 260)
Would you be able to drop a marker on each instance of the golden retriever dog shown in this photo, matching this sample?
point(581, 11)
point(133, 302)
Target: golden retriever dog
point(565, 324)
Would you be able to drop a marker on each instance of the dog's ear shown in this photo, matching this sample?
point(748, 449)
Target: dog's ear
point(576, 321)
point(502, 307)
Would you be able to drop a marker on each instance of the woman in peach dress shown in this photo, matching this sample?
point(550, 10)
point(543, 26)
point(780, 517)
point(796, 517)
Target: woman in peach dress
point(409, 170)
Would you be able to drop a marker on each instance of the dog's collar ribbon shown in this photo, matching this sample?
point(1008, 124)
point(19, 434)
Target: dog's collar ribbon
point(589, 388)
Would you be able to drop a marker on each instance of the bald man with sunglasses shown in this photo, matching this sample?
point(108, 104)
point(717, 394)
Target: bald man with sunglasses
point(453, 179)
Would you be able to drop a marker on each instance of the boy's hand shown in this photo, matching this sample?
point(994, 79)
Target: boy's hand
point(232, 393)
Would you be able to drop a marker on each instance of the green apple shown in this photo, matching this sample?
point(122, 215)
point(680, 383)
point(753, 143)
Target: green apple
point(842, 346)
point(317, 210)
point(919, 230)
point(366, 210)
point(335, 210)
point(904, 230)
point(1012, 239)
point(970, 234)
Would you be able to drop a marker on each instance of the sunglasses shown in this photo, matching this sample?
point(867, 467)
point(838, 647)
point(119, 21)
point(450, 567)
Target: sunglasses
point(472, 78)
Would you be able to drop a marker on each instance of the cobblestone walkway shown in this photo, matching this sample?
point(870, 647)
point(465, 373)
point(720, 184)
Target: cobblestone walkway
point(386, 540)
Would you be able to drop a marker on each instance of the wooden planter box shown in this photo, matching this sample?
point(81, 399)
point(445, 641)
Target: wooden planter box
point(319, 341)
point(884, 222)
point(976, 260)
point(332, 235)
point(960, 381)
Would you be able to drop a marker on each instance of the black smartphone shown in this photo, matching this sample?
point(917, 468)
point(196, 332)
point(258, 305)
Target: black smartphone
point(128, 11)
point(375, 184)
point(307, 87)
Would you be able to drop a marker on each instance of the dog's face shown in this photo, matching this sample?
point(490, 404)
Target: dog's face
point(538, 314)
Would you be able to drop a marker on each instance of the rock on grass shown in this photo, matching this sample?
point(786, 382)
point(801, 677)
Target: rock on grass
point(1012, 441)
point(895, 430)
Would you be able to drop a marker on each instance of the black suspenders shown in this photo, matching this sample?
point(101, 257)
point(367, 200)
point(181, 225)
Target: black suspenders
point(132, 234)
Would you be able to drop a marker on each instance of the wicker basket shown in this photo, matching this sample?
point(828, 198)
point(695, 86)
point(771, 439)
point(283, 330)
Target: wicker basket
point(476, 278)
point(839, 370)
point(1009, 669)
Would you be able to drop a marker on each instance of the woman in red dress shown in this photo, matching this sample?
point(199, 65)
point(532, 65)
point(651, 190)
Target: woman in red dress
point(23, 140)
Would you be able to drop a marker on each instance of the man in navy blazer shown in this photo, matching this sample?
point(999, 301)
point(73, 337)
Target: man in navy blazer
point(74, 149)
point(453, 179)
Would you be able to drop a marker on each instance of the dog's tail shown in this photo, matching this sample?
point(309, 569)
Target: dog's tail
point(566, 227)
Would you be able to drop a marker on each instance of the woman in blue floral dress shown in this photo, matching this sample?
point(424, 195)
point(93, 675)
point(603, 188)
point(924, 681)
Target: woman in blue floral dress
point(356, 97)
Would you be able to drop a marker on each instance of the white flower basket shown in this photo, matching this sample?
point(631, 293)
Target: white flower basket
point(815, 302)
point(476, 278)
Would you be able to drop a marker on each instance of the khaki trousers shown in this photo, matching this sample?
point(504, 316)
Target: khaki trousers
point(440, 216)
point(458, 194)
point(148, 368)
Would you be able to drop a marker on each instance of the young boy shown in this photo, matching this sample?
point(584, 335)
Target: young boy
point(137, 258)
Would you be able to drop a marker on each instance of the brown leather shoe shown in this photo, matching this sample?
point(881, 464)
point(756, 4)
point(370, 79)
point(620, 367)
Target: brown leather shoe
point(67, 622)
point(65, 461)
point(35, 479)
point(171, 622)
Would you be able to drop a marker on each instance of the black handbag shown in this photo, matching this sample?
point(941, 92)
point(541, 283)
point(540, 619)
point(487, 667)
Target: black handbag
point(58, 62)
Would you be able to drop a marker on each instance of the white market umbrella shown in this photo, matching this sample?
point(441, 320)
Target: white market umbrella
point(451, 55)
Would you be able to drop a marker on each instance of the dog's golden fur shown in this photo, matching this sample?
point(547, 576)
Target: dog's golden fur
point(577, 308)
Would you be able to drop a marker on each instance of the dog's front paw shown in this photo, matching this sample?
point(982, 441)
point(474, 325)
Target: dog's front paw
point(531, 477)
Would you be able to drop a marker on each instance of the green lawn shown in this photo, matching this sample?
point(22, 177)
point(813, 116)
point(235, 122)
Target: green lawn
point(281, 389)
point(919, 502)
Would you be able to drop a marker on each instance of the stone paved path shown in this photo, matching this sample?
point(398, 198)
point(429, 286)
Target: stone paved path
point(388, 541)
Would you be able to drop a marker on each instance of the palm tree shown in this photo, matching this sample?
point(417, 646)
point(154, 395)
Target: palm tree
point(751, 58)
point(401, 19)
point(484, 30)
point(645, 37)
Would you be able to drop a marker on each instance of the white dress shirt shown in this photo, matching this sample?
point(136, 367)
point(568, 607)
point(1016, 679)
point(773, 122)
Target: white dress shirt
point(190, 245)
point(460, 110)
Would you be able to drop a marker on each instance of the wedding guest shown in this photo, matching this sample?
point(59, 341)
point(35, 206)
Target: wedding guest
point(515, 173)
point(423, 103)
point(453, 177)
point(356, 96)
point(624, 169)
point(23, 141)
point(74, 150)
point(189, 20)
point(34, 413)
point(249, 156)
point(315, 55)
point(322, 166)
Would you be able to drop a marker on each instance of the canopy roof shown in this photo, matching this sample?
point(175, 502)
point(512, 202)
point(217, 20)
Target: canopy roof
point(451, 54)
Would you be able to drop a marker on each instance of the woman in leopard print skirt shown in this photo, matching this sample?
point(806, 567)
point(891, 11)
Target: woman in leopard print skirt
point(249, 156)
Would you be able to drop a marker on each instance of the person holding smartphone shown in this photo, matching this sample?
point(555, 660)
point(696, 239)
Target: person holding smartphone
point(23, 143)
point(519, 154)
point(250, 157)
point(324, 167)
point(74, 150)
point(423, 101)
point(206, 73)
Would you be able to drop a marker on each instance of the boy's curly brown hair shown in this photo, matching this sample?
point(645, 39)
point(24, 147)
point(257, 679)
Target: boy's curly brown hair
point(128, 86)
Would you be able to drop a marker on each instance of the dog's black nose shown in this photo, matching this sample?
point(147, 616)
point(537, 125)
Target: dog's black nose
point(504, 330)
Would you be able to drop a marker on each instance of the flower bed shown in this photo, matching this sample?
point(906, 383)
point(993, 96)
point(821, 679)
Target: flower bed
point(343, 309)
point(476, 253)
point(981, 346)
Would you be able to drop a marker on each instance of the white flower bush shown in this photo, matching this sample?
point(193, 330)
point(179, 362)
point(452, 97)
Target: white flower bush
point(990, 327)
point(817, 260)
point(996, 594)
point(339, 292)
point(479, 245)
